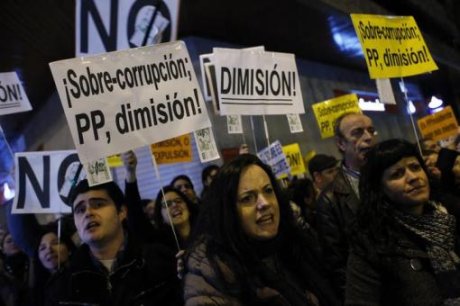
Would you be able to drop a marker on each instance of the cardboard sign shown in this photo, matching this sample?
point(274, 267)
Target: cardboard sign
point(234, 124)
point(393, 46)
point(103, 26)
point(174, 150)
point(328, 111)
point(294, 158)
point(206, 145)
point(439, 125)
point(39, 177)
point(295, 125)
point(13, 98)
point(123, 100)
point(98, 172)
point(257, 83)
point(275, 157)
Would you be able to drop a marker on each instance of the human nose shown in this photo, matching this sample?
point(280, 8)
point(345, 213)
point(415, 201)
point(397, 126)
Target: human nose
point(262, 202)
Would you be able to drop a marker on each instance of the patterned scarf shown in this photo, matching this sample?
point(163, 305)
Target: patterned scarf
point(437, 229)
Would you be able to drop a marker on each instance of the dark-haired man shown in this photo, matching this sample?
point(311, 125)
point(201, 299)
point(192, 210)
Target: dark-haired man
point(323, 169)
point(111, 267)
point(337, 205)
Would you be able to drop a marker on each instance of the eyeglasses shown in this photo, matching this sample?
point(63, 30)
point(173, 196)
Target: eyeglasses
point(359, 132)
point(177, 201)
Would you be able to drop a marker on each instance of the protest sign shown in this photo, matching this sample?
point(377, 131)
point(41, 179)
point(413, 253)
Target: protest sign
point(385, 91)
point(328, 111)
point(115, 161)
point(295, 125)
point(392, 45)
point(234, 124)
point(98, 172)
point(205, 59)
point(257, 83)
point(123, 100)
point(174, 150)
point(13, 98)
point(207, 148)
point(103, 26)
point(439, 125)
point(294, 158)
point(275, 157)
point(39, 177)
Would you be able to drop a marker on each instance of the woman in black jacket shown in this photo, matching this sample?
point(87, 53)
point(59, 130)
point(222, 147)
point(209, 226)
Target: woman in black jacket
point(403, 250)
point(247, 248)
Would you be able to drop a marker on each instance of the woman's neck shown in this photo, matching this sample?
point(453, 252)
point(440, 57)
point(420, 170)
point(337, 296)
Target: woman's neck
point(183, 230)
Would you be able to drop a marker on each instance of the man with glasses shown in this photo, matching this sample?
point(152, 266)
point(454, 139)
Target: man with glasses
point(338, 203)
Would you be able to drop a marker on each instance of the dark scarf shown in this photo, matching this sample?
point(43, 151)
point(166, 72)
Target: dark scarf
point(437, 229)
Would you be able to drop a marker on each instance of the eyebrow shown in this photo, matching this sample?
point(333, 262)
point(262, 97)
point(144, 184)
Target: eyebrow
point(90, 200)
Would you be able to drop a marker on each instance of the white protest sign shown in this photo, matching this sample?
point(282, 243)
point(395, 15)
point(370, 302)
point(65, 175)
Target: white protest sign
point(295, 125)
point(98, 172)
point(205, 59)
point(275, 157)
point(39, 176)
point(257, 83)
point(234, 124)
point(123, 100)
point(103, 26)
point(13, 98)
point(207, 148)
point(385, 91)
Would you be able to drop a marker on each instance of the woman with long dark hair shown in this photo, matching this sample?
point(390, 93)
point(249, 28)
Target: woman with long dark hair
point(247, 249)
point(404, 247)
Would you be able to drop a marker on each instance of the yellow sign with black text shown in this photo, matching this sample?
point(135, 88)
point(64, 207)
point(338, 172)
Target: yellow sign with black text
point(294, 158)
point(174, 150)
point(328, 111)
point(439, 125)
point(393, 46)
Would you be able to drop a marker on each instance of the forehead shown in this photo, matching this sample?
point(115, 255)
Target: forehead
point(403, 162)
point(91, 195)
point(48, 236)
point(355, 121)
point(181, 182)
point(253, 177)
point(171, 195)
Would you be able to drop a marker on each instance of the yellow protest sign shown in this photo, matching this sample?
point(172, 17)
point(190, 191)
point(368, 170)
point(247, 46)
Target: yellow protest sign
point(439, 125)
point(115, 161)
point(328, 111)
point(393, 46)
point(174, 150)
point(294, 158)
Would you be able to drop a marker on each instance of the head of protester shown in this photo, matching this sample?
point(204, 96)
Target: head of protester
point(247, 248)
point(323, 169)
point(403, 248)
point(148, 206)
point(112, 267)
point(207, 175)
point(303, 194)
point(355, 135)
point(15, 261)
point(175, 210)
point(429, 144)
point(53, 251)
point(184, 184)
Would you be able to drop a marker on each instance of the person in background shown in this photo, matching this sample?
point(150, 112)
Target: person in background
point(303, 194)
point(337, 205)
point(429, 144)
point(112, 267)
point(148, 207)
point(404, 247)
point(207, 175)
point(184, 184)
point(247, 249)
point(323, 169)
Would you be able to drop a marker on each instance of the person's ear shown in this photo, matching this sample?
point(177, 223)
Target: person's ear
point(123, 212)
point(340, 141)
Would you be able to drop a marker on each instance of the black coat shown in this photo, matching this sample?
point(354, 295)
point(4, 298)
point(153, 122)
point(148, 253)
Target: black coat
point(400, 274)
point(146, 275)
point(335, 212)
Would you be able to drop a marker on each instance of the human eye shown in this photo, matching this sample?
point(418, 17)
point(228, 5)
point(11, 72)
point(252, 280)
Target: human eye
point(41, 247)
point(415, 166)
point(397, 173)
point(247, 198)
point(79, 210)
point(357, 132)
point(269, 190)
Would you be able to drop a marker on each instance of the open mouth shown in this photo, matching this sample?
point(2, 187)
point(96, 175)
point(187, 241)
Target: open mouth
point(91, 225)
point(267, 219)
point(51, 257)
point(364, 150)
point(176, 213)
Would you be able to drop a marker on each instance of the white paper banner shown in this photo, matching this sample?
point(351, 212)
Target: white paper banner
point(295, 125)
point(13, 98)
point(39, 177)
point(234, 124)
point(207, 149)
point(385, 91)
point(274, 157)
point(123, 100)
point(257, 83)
point(103, 26)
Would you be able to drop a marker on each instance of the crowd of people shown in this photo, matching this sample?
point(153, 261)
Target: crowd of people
point(378, 227)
